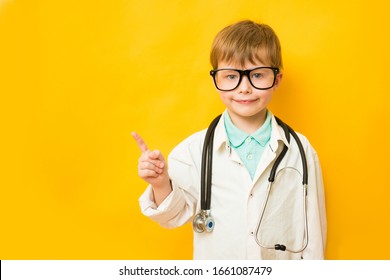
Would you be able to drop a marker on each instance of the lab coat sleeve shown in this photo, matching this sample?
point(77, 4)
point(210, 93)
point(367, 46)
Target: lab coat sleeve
point(169, 213)
point(316, 213)
point(180, 205)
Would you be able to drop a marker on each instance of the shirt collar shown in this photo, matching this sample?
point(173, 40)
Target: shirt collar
point(276, 140)
point(237, 136)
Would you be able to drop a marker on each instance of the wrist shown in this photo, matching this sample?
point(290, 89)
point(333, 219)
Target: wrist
point(161, 191)
point(164, 183)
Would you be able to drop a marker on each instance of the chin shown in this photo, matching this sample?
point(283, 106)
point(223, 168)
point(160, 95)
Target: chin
point(249, 113)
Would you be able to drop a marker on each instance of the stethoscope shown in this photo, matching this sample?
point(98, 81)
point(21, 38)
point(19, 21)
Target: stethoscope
point(203, 221)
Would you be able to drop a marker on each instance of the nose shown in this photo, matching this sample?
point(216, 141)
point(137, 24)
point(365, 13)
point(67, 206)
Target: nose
point(245, 86)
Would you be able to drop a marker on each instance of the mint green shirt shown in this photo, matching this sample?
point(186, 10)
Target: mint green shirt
point(249, 147)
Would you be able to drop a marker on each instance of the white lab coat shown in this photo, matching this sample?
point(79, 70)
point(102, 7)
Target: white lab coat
point(236, 200)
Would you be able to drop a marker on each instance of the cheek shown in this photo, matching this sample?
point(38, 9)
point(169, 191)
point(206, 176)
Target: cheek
point(225, 97)
point(266, 95)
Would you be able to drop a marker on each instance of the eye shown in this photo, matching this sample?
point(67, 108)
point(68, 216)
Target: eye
point(231, 77)
point(257, 75)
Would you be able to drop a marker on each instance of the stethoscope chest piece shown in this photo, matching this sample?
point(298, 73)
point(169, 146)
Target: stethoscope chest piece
point(203, 221)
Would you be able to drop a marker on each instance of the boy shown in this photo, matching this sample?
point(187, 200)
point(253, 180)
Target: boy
point(247, 63)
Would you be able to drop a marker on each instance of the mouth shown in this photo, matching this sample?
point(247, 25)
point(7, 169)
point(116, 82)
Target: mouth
point(245, 101)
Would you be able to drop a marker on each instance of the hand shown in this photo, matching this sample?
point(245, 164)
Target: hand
point(152, 166)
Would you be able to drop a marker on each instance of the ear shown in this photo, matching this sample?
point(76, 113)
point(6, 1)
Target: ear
point(278, 79)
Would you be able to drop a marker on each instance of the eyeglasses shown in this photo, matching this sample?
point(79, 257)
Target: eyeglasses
point(227, 79)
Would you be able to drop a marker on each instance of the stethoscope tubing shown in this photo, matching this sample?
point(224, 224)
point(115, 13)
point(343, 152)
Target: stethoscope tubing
point(282, 247)
point(207, 158)
point(287, 130)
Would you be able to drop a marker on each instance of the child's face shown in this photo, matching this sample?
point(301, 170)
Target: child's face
point(246, 103)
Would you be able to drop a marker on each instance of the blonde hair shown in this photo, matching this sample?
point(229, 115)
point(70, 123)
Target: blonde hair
point(246, 41)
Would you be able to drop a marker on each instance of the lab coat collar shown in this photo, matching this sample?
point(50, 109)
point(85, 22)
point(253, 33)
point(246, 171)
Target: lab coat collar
point(220, 136)
point(277, 135)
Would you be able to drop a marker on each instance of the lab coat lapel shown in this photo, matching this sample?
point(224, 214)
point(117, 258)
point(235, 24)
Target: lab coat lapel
point(273, 149)
point(266, 159)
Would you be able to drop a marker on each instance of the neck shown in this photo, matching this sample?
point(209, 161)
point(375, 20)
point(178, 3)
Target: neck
point(249, 124)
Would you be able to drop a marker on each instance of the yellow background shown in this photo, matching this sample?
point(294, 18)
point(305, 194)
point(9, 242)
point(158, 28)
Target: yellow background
point(76, 77)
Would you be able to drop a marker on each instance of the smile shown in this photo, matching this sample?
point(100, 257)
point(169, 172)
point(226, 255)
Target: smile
point(245, 101)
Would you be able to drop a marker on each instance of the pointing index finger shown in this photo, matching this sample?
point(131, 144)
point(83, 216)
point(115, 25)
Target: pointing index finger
point(140, 142)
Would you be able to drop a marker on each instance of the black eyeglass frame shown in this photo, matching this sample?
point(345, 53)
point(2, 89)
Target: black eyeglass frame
point(245, 73)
